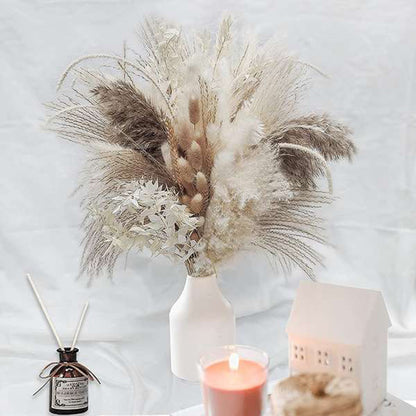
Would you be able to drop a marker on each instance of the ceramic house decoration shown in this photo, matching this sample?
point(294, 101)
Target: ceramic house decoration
point(341, 330)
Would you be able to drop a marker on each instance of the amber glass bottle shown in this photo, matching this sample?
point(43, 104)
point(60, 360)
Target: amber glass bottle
point(68, 393)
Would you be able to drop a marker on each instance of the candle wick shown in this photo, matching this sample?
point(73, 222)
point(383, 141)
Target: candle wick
point(234, 361)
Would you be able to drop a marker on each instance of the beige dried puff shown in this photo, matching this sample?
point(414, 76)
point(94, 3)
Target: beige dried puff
point(316, 394)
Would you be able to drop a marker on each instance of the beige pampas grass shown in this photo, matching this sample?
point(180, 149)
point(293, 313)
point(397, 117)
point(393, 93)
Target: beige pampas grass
point(331, 139)
point(315, 155)
point(209, 127)
point(138, 124)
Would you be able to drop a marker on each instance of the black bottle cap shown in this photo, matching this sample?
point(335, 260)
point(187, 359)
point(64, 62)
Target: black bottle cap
point(67, 355)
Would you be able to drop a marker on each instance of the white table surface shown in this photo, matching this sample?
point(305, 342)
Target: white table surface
point(392, 406)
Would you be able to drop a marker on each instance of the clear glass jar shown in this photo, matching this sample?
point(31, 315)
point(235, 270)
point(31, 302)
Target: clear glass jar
point(234, 381)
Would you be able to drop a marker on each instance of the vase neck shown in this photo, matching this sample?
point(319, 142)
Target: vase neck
point(210, 276)
point(206, 284)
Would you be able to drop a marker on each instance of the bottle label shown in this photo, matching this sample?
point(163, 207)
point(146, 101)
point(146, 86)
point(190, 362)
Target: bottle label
point(69, 393)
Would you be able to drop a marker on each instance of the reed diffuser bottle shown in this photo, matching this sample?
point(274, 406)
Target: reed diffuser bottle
point(68, 392)
point(68, 379)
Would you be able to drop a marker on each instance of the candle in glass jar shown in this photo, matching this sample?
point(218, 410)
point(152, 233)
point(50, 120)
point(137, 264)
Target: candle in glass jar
point(234, 384)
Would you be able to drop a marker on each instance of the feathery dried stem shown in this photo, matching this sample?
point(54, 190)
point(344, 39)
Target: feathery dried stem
point(131, 113)
point(124, 62)
point(318, 132)
point(314, 154)
point(61, 112)
point(223, 40)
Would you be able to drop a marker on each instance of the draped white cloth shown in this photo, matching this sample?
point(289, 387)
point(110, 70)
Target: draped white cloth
point(367, 48)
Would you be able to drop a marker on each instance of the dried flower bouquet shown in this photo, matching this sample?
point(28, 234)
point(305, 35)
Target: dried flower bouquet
point(198, 150)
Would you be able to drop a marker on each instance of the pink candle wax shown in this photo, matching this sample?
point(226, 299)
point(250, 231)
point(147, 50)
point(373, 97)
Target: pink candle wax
point(237, 391)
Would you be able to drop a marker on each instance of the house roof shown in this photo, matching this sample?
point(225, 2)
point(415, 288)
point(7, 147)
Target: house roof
point(336, 314)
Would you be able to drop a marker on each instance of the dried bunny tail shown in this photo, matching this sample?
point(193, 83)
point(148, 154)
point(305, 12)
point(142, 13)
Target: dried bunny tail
point(125, 63)
point(314, 154)
point(184, 136)
point(201, 184)
point(141, 125)
point(186, 173)
point(194, 110)
point(196, 203)
point(194, 155)
point(192, 158)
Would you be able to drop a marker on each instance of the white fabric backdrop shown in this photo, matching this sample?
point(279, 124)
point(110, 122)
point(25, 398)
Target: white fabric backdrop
point(368, 48)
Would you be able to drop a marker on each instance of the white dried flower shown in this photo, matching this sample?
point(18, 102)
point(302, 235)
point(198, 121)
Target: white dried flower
point(146, 215)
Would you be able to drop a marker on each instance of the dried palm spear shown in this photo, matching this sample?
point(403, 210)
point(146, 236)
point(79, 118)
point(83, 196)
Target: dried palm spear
point(198, 150)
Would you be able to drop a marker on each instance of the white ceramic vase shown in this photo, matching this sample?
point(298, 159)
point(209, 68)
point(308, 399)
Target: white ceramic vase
point(202, 318)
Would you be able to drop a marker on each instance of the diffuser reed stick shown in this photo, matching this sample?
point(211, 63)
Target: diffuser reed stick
point(80, 322)
point(45, 312)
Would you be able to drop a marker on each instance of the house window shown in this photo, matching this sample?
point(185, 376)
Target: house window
point(323, 358)
point(298, 352)
point(346, 364)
